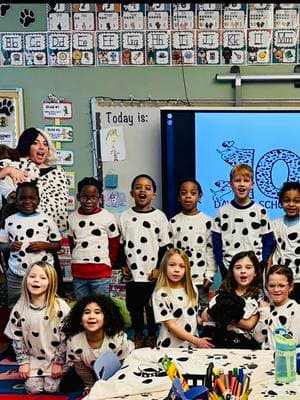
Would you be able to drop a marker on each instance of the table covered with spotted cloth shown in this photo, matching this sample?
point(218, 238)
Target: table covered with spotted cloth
point(141, 376)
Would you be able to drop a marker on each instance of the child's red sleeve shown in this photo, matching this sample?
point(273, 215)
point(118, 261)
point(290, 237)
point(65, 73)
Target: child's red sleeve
point(71, 242)
point(113, 248)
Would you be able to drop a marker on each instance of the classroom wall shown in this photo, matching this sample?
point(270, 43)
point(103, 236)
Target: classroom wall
point(80, 84)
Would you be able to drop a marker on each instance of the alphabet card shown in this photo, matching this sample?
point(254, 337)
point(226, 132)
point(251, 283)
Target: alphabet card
point(59, 49)
point(234, 47)
point(183, 47)
point(284, 45)
point(12, 49)
point(108, 48)
point(35, 49)
point(112, 144)
point(158, 50)
point(83, 48)
point(133, 48)
point(208, 47)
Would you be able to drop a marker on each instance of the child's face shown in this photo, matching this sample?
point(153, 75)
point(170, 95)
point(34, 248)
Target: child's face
point(92, 318)
point(241, 186)
point(143, 193)
point(244, 273)
point(89, 198)
point(279, 289)
point(37, 281)
point(175, 270)
point(27, 200)
point(291, 202)
point(188, 197)
point(39, 150)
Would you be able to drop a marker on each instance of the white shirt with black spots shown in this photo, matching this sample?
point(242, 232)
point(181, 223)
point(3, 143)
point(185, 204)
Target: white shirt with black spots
point(42, 337)
point(287, 250)
point(272, 317)
point(173, 304)
point(192, 233)
point(91, 234)
point(7, 185)
point(143, 234)
point(250, 309)
point(26, 229)
point(241, 229)
point(79, 350)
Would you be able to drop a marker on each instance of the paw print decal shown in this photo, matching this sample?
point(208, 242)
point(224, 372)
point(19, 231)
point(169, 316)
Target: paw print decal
point(26, 17)
point(6, 107)
point(3, 9)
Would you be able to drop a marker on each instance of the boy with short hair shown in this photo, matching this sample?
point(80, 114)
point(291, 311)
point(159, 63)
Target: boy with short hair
point(242, 224)
point(94, 241)
point(144, 236)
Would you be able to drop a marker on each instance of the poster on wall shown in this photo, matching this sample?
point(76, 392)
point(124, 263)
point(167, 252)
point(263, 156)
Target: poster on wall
point(11, 116)
point(135, 121)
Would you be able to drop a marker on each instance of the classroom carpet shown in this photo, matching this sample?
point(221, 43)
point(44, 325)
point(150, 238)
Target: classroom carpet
point(12, 387)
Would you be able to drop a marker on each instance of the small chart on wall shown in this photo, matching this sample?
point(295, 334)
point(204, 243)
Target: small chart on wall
point(126, 143)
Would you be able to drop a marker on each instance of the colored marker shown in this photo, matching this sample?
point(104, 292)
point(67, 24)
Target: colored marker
point(221, 387)
point(241, 375)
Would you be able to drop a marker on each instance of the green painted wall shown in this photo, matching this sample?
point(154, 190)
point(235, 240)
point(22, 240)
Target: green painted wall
point(80, 84)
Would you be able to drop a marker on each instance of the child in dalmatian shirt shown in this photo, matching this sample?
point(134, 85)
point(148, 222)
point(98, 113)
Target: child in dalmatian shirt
point(144, 237)
point(35, 328)
point(233, 313)
point(175, 303)
point(287, 233)
point(190, 230)
point(94, 325)
point(29, 235)
point(241, 224)
point(282, 312)
point(94, 241)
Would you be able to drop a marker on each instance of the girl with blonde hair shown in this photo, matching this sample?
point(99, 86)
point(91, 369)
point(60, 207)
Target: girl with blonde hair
point(35, 328)
point(175, 303)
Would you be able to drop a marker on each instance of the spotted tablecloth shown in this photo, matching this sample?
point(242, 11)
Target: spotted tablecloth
point(141, 376)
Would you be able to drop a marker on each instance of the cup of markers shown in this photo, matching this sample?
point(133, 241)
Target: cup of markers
point(231, 386)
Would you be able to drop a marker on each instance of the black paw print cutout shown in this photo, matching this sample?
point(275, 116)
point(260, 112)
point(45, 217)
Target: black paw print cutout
point(3, 9)
point(6, 107)
point(26, 17)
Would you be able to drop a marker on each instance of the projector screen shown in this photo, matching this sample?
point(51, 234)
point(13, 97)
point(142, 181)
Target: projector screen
point(206, 143)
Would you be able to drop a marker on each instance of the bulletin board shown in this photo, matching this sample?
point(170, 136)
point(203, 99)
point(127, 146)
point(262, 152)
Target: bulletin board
point(11, 116)
point(126, 143)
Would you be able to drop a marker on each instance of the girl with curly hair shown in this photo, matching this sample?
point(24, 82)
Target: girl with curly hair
point(94, 325)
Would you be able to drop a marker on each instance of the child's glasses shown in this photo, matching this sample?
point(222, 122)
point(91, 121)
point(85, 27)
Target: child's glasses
point(281, 286)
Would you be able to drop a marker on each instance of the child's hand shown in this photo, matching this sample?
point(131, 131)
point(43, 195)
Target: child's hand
point(56, 370)
point(204, 343)
point(153, 275)
point(16, 246)
point(24, 371)
point(126, 272)
point(37, 247)
point(16, 175)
